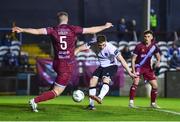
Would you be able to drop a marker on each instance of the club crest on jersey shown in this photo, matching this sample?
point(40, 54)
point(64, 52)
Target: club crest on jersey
point(106, 54)
point(143, 55)
point(142, 50)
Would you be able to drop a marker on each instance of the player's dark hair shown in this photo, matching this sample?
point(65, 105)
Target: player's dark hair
point(148, 32)
point(60, 14)
point(101, 38)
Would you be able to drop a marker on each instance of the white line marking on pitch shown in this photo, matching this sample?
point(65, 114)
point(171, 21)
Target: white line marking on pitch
point(168, 111)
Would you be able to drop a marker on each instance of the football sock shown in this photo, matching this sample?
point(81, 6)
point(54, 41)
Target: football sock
point(131, 101)
point(153, 95)
point(45, 96)
point(92, 91)
point(104, 90)
point(132, 91)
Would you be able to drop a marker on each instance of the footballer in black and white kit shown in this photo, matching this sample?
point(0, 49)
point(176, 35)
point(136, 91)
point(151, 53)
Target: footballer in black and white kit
point(108, 57)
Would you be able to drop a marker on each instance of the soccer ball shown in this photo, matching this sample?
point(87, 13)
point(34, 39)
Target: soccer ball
point(78, 96)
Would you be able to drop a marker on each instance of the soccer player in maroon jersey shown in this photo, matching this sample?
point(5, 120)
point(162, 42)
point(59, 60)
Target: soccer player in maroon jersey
point(141, 65)
point(64, 39)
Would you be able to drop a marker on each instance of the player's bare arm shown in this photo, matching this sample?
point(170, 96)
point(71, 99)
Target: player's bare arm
point(80, 48)
point(41, 31)
point(133, 62)
point(158, 58)
point(125, 65)
point(96, 29)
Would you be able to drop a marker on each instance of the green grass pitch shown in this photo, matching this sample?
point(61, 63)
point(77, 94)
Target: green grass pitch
point(15, 108)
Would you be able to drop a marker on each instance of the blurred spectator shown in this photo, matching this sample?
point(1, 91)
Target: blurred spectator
point(8, 37)
point(122, 29)
point(23, 60)
point(132, 30)
point(7, 40)
point(172, 49)
point(175, 61)
point(10, 59)
point(126, 53)
point(132, 26)
point(13, 34)
point(153, 20)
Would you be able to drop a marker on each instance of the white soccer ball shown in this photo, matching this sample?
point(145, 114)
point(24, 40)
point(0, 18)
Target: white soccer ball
point(78, 96)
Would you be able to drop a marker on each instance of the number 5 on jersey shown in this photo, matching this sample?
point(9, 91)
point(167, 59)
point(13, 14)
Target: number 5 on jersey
point(63, 43)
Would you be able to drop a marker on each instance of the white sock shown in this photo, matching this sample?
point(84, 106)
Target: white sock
point(153, 103)
point(131, 101)
point(92, 91)
point(104, 91)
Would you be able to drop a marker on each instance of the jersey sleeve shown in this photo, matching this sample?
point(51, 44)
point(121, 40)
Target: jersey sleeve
point(77, 29)
point(49, 30)
point(113, 50)
point(157, 50)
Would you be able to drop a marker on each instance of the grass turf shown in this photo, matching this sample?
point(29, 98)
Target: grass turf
point(15, 108)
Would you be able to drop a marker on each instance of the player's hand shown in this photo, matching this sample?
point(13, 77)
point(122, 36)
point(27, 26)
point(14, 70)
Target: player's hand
point(134, 72)
point(108, 25)
point(17, 29)
point(157, 65)
point(133, 75)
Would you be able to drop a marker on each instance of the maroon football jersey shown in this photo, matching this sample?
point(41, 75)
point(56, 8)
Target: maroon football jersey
point(63, 39)
point(141, 51)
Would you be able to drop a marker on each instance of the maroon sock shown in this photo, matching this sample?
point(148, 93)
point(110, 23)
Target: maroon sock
point(132, 91)
point(45, 96)
point(153, 95)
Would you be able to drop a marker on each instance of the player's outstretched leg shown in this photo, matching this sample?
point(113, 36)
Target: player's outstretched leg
point(96, 98)
point(43, 97)
point(103, 92)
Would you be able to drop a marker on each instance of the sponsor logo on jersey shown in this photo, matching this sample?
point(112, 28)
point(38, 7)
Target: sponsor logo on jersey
point(64, 54)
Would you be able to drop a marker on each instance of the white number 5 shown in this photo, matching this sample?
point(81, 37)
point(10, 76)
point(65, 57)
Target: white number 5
point(63, 43)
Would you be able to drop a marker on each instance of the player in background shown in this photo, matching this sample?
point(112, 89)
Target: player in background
point(63, 40)
point(108, 56)
point(141, 65)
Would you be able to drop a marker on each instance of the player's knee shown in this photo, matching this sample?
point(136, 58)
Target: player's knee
point(106, 80)
point(58, 90)
point(136, 81)
point(93, 82)
point(154, 86)
point(134, 86)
